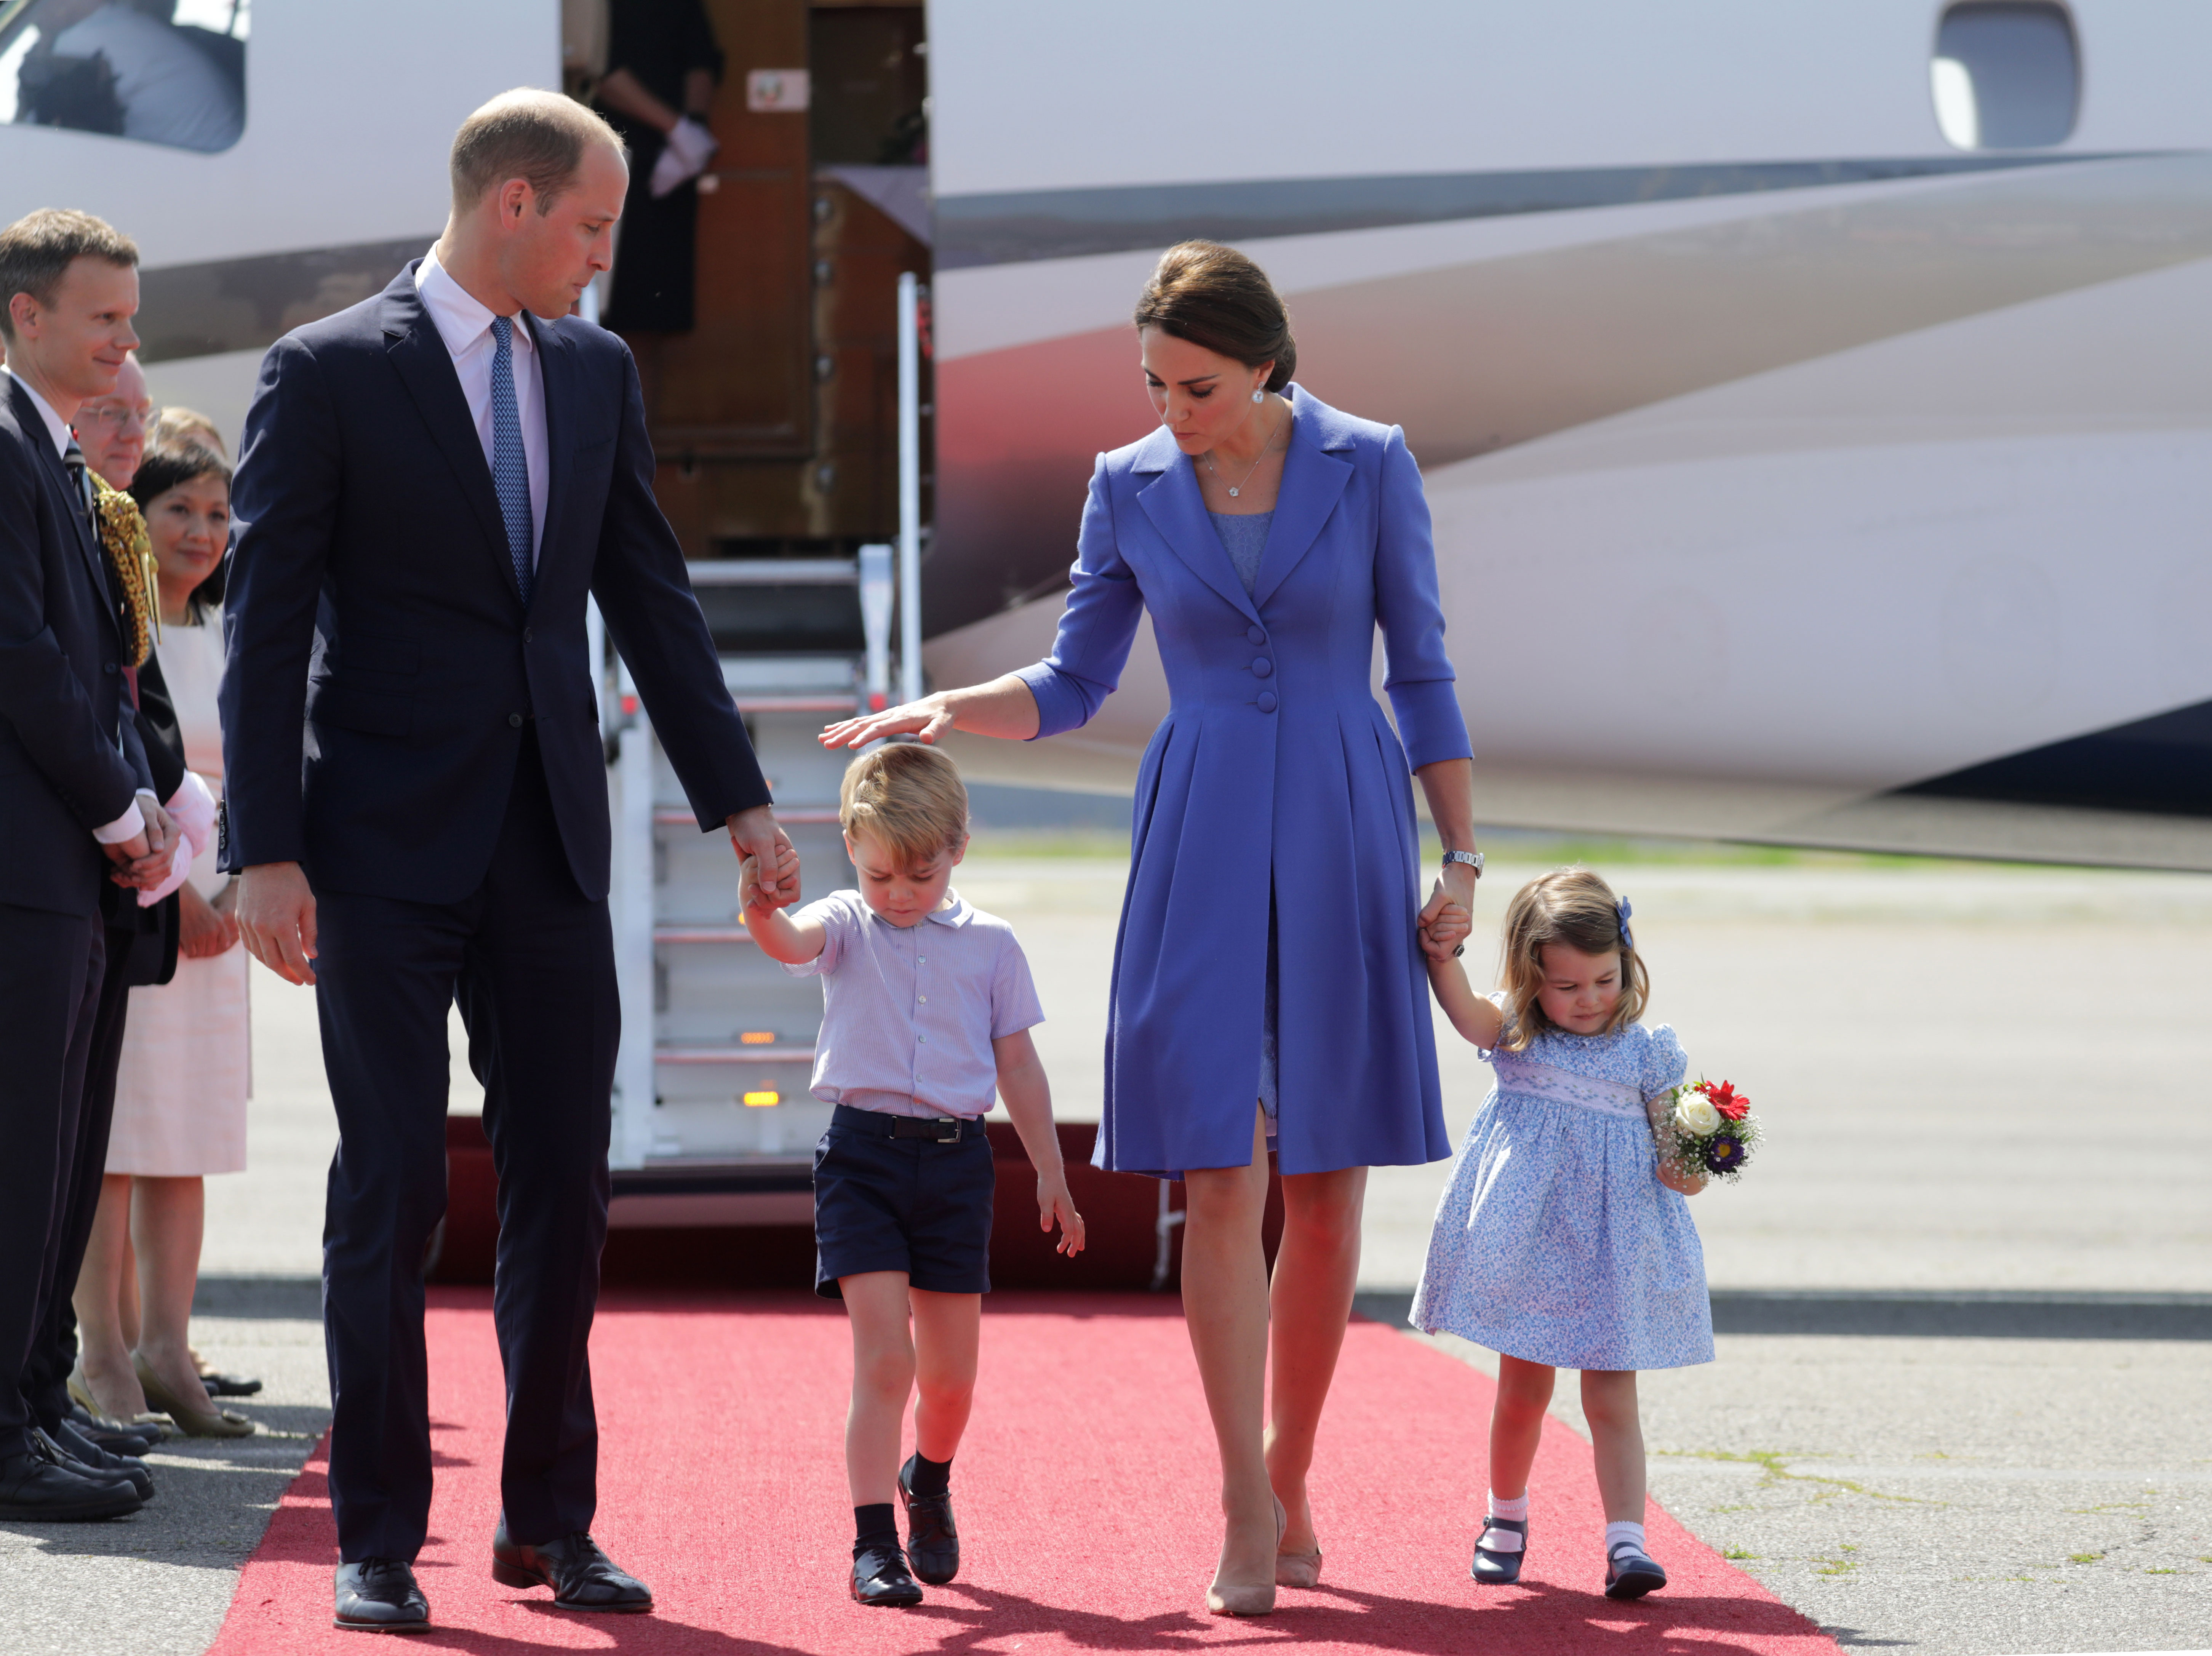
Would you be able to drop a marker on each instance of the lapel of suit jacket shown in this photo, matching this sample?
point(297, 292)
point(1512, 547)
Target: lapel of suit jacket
point(557, 376)
point(418, 352)
point(1313, 479)
point(1177, 510)
point(33, 425)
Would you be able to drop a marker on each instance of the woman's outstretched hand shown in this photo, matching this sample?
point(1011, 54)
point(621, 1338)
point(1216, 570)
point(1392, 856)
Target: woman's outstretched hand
point(928, 718)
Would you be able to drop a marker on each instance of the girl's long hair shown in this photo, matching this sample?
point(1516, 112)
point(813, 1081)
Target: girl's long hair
point(1576, 907)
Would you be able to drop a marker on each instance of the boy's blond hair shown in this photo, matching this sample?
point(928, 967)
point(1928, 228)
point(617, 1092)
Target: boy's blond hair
point(1576, 907)
point(910, 797)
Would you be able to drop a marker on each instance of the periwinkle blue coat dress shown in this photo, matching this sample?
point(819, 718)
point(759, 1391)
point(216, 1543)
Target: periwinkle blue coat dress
point(1274, 774)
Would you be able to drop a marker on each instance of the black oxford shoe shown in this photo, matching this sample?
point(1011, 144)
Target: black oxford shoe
point(933, 1543)
point(80, 1453)
point(583, 1576)
point(378, 1595)
point(880, 1577)
point(38, 1485)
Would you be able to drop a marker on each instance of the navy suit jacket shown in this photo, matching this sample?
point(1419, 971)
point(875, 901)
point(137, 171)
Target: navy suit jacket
point(69, 761)
point(381, 664)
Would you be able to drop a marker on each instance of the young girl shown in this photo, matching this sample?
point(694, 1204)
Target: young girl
point(1558, 1244)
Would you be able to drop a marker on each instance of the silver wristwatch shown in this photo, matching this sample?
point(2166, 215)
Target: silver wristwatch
point(1472, 859)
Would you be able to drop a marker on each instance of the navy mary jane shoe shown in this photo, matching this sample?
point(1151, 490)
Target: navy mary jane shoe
point(1500, 1570)
point(1630, 1574)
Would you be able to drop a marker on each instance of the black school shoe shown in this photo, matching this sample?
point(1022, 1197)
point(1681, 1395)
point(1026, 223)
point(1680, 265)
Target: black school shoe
point(378, 1595)
point(932, 1543)
point(880, 1577)
point(1500, 1570)
point(1630, 1573)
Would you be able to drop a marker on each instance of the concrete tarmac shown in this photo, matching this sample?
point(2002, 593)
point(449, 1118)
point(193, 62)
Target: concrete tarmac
point(1966, 1406)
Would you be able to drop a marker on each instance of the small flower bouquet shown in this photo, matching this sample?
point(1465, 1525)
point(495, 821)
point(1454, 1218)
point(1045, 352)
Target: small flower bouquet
point(1705, 1130)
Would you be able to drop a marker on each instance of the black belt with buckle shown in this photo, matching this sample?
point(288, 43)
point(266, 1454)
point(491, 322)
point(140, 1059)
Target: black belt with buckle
point(938, 1129)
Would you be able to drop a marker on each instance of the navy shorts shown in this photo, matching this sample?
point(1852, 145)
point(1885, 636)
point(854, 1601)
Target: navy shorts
point(912, 1204)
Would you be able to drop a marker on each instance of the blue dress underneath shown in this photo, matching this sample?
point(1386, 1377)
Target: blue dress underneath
point(1244, 538)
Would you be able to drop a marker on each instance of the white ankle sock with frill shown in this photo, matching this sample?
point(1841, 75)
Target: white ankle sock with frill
point(1504, 1540)
point(1617, 1533)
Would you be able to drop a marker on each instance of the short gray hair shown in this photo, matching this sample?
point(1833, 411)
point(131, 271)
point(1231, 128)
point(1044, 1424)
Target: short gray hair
point(527, 133)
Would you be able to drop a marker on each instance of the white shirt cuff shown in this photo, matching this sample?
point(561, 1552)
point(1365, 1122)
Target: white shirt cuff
point(129, 825)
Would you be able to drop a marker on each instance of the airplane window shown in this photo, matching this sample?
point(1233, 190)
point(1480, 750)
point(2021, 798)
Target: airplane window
point(160, 72)
point(2007, 75)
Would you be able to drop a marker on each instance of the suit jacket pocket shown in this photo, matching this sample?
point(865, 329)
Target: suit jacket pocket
point(350, 708)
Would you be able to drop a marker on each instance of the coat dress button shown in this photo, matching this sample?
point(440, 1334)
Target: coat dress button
point(1267, 701)
point(107, 667)
point(1262, 667)
point(1256, 634)
point(514, 722)
point(528, 637)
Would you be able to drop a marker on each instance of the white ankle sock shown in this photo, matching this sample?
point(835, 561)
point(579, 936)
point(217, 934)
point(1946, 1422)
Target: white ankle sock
point(1617, 1533)
point(1504, 1540)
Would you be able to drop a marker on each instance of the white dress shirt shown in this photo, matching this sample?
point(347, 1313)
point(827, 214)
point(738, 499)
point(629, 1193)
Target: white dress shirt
point(465, 326)
point(132, 822)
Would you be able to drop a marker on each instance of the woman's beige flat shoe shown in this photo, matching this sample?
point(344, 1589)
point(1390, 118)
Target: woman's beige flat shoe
point(193, 1422)
point(1223, 1600)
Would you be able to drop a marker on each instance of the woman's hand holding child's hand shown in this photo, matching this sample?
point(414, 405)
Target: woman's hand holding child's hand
point(1446, 929)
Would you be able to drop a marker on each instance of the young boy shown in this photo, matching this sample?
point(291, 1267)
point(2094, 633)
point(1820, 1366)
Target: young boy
point(926, 1009)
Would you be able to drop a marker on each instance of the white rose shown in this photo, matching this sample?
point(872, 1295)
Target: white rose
point(1695, 1114)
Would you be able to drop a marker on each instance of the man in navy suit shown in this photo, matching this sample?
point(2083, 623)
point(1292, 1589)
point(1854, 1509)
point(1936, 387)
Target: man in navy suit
point(77, 810)
point(429, 484)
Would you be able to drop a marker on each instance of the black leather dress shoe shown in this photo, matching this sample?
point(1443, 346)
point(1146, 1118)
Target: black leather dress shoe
point(933, 1543)
point(880, 1577)
point(38, 1485)
point(230, 1385)
point(581, 1575)
point(378, 1595)
point(114, 1436)
point(73, 1447)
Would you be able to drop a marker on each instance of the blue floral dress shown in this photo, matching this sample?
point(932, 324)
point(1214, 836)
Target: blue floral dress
point(1555, 1241)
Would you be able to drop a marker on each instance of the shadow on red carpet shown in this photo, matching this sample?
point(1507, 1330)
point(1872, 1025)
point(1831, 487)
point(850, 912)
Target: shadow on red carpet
point(1086, 1515)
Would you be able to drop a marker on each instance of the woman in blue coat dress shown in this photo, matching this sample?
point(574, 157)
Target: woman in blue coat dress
point(1271, 938)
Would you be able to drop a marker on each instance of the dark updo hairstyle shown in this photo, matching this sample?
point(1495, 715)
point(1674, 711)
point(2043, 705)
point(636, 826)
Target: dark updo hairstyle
point(172, 466)
point(1220, 300)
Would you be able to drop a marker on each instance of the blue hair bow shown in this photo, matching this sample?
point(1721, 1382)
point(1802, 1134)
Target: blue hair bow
point(1620, 907)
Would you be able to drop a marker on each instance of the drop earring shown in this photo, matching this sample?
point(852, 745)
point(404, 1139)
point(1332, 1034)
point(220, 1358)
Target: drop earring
point(1258, 395)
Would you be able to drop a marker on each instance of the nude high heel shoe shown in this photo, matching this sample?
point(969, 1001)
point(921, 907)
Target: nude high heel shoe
point(1298, 1570)
point(1225, 1600)
point(193, 1422)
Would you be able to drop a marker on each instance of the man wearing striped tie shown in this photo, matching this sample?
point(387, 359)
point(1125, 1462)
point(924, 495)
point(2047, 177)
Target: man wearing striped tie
point(429, 484)
point(77, 812)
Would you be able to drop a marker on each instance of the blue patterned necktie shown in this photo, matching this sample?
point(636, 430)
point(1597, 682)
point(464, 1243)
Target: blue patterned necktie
point(72, 463)
point(510, 470)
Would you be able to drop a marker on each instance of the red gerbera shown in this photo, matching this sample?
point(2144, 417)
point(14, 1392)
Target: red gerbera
point(1732, 1104)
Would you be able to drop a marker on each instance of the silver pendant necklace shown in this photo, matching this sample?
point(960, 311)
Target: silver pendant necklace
point(1266, 449)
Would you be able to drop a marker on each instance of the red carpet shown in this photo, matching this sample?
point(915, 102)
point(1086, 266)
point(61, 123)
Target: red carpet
point(1085, 1510)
